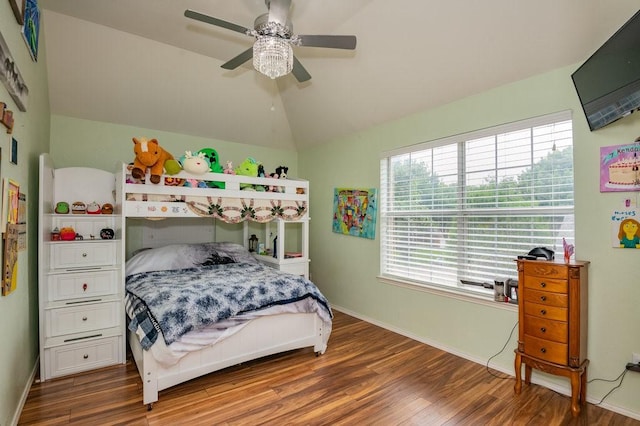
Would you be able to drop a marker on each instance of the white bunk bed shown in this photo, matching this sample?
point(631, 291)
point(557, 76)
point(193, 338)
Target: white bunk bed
point(261, 336)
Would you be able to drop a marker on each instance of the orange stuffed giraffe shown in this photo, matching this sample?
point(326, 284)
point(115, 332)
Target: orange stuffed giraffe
point(149, 155)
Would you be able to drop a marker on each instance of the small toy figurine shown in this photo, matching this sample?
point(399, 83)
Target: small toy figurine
point(229, 168)
point(62, 207)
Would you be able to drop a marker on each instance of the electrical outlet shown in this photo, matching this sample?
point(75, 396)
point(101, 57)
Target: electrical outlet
point(635, 358)
point(633, 367)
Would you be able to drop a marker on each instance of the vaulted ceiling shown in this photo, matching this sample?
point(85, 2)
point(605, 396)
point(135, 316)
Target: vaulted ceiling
point(142, 63)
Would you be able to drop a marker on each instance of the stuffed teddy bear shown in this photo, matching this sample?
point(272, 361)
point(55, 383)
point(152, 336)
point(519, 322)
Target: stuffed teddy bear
point(149, 155)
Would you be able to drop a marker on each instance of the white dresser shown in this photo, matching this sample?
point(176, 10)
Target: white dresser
point(80, 280)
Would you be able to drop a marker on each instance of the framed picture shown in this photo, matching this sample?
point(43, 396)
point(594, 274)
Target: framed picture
point(355, 211)
point(11, 78)
point(620, 167)
point(18, 10)
point(13, 157)
point(31, 27)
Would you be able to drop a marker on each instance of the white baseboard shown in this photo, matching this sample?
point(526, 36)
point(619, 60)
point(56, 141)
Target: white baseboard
point(25, 393)
point(564, 390)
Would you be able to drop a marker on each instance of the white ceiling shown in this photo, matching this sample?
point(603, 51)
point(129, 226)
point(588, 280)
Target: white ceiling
point(142, 63)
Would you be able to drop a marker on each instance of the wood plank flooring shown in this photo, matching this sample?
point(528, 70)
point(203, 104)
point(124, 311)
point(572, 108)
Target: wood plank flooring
point(368, 376)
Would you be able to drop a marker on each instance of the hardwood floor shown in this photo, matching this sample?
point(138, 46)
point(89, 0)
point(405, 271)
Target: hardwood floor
point(367, 376)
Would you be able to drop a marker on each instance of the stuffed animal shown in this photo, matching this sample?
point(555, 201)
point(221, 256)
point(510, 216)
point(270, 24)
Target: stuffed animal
point(281, 171)
point(196, 164)
point(212, 157)
point(249, 167)
point(149, 155)
point(229, 169)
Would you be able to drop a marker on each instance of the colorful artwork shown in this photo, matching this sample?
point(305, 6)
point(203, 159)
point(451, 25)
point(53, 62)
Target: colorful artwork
point(619, 167)
point(625, 228)
point(31, 27)
point(355, 211)
point(10, 261)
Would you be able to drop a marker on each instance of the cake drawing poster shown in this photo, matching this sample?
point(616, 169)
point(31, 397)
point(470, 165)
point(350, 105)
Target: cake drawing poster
point(625, 228)
point(619, 167)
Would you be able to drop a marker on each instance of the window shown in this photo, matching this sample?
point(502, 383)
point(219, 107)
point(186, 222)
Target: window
point(464, 207)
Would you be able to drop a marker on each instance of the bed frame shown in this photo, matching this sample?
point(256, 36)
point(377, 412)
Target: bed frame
point(260, 337)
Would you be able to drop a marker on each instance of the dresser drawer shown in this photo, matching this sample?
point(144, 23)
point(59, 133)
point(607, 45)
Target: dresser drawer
point(557, 331)
point(546, 298)
point(547, 284)
point(78, 255)
point(546, 270)
point(549, 312)
point(81, 318)
point(546, 350)
point(77, 357)
point(81, 285)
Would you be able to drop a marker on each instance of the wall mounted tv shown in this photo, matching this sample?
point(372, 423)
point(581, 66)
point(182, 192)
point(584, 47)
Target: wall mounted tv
point(608, 83)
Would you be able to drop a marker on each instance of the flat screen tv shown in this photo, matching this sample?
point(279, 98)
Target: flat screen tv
point(608, 83)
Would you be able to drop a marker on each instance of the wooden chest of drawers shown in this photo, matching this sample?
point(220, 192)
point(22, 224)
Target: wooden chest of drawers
point(552, 304)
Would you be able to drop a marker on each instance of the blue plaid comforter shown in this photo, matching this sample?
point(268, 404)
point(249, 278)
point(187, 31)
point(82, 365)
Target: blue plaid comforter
point(175, 302)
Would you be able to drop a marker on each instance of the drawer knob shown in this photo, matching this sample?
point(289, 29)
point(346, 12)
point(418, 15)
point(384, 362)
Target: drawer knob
point(543, 284)
point(543, 350)
point(85, 287)
point(84, 254)
point(84, 318)
point(544, 330)
point(543, 298)
point(86, 356)
point(543, 311)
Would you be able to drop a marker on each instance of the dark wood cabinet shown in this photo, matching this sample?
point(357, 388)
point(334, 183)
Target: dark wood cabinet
point(552, 311)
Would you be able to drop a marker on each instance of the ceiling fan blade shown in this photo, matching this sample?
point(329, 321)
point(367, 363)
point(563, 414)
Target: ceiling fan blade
point(238, 60)
point(299, 71)
point(215, 21)
point(279, 11)
point(332, 41)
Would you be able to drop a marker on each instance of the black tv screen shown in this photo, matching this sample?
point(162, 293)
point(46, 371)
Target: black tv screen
point(608, 83)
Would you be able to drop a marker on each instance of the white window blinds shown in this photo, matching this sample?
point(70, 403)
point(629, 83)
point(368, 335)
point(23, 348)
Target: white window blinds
point(464, 207)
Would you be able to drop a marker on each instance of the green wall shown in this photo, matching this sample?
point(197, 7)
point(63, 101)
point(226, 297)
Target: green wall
point(345, 268)
point(19, 309)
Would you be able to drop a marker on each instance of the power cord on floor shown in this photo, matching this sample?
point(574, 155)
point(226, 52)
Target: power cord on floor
point(620, 377)
point(501, 350)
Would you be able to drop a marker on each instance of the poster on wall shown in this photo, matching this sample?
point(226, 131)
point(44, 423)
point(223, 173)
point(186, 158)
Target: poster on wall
point(11, 78)
point(619, 167)
point(355, 211)
point(10, 260)
point(625, 228)
point(22, 221)
point(31, 27)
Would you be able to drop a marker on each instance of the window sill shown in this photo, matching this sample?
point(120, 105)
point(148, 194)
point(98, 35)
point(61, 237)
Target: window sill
point(458, 294)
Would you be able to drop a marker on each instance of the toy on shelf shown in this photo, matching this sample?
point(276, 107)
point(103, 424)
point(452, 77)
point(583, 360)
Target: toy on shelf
point(212, 157)
point(229, 168)
point(196, 164)
point(107, 208)
point(249, 167)
point(78, 207)
point(62, 207)
point(93, 208)
point(149, 156)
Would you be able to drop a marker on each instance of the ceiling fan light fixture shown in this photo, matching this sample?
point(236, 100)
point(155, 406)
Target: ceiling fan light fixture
point(272, 56)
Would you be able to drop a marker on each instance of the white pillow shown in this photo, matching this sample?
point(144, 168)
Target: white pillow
point(181, 256)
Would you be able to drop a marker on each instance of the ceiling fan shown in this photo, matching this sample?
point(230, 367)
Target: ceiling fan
point(272, 52)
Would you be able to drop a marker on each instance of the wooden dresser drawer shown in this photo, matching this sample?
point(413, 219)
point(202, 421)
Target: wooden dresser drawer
point(549, 312)
point(87, 355)
point(81, 318)
point(557, 331)
point(545, 270)
point(546, 350)
point(82, 254)
point(546, 284)
point(81, 285)
point(547, 298)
